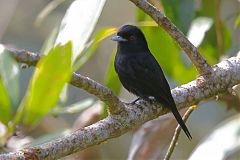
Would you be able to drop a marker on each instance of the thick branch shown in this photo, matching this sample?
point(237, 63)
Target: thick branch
point(192, 52)
point(225, 74)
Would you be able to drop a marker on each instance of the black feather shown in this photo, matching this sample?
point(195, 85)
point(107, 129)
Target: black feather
point(140, 73)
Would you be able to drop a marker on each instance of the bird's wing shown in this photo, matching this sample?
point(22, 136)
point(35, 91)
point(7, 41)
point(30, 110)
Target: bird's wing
point(148, 73)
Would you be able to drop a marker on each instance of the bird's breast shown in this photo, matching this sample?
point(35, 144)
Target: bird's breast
point(124, 63)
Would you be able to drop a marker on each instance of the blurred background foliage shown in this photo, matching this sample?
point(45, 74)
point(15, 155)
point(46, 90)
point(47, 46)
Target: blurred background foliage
point(37, 104)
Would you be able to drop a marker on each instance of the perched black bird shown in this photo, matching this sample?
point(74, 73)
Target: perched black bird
point(140, 73)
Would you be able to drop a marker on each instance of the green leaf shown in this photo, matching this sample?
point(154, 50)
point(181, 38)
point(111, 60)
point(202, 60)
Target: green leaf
point(237, 22)
point(89, 51)
point(75, 26)
point(111, 79)
point(5, 107)
point(9, 72)
point(227, 40)
point(206, 9)
point(78, 24)
point(47, 46)
point(208, 47)
point(74, 108)
point(52, 72)
point(181, 12)
point(141, 16)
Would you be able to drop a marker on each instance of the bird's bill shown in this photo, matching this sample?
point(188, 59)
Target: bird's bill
point(119, 39)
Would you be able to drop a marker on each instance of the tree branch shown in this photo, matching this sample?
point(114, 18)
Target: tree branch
point(192, 52)
point(224, 75)
point(77, 80)
point(104, 94)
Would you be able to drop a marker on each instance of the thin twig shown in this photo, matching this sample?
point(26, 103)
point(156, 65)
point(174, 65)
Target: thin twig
point(177, 133)
point(192, 52)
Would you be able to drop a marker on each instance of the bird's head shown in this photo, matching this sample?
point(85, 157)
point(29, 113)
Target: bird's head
point(130, 38)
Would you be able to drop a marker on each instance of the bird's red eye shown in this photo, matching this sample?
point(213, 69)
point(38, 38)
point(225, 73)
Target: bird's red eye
point(132, 37)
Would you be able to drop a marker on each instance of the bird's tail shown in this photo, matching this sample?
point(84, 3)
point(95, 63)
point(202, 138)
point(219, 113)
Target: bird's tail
point(181, 122)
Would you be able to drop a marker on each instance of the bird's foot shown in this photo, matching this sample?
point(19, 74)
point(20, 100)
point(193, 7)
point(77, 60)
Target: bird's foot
point(133, 102)
point(151, 99)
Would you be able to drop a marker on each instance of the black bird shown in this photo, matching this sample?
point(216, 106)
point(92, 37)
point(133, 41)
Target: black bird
point(140, 73)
